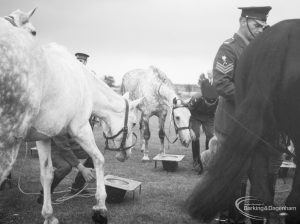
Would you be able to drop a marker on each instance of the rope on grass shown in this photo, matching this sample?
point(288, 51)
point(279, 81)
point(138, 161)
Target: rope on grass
point(67, 196)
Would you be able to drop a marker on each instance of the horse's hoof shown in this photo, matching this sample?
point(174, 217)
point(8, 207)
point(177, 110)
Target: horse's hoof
point(52, 220)
point(100, 216)
point(146, 159)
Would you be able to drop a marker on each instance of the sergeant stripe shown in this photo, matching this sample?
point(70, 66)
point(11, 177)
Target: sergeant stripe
point(224, 69)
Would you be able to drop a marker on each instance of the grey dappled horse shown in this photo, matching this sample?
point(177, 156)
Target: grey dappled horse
point(46, 91)
point(159, 96)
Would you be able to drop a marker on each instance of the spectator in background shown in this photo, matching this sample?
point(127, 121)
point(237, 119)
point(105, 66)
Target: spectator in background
point(82, 57)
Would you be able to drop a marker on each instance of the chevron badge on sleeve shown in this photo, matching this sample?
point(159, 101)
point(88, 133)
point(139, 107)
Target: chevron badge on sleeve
point(224, 67)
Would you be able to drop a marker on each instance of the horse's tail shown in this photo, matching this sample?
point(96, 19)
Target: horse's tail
point(255, 88)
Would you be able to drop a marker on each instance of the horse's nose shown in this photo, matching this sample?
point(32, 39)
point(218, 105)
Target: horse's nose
point(186, 143)
point(33, 32)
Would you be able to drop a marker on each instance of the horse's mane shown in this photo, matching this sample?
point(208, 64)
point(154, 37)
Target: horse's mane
point(162, 77)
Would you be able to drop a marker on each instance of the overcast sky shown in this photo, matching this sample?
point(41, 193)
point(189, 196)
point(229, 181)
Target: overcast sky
point(181, 37)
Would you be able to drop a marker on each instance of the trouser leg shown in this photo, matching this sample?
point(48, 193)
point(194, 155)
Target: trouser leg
point(208, 128)
point(62, 169)
point(196, 151)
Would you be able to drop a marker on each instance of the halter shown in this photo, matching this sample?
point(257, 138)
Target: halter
point(177, 129)
point(125, 133)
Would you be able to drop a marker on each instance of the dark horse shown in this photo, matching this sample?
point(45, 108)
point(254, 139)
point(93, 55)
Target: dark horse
point(267, 98)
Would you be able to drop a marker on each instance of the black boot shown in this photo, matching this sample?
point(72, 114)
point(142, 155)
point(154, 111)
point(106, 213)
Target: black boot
point(197, 164)
point(196, 151)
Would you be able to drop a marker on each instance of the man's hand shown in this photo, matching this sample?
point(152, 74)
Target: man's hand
point(193, 103)
point(86, 173)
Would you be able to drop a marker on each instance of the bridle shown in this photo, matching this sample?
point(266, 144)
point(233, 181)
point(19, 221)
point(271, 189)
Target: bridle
point(125, 133)
point(174, 107)
point(177, 129)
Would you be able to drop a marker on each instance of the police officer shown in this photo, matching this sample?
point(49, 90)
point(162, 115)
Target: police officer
point(82, 57)
point(252, 23)
point(65, 155)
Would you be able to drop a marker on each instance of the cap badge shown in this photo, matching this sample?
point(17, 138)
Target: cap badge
point(224, 58)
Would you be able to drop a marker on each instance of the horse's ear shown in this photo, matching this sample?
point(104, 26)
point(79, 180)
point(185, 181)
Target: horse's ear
point(29, 14)
point(126, 95)
point(136, 103)
point(174, 101)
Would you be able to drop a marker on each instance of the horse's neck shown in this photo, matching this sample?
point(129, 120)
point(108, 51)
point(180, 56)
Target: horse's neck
point(168, 94)
point(105, 101)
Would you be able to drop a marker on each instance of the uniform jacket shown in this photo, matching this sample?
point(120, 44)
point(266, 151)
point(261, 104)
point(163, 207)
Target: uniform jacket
point(194, 105)
point(223, 75)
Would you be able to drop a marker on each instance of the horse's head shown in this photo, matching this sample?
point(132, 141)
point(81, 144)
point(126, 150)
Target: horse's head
point(21, 19)
point(120, 131)
point(181, 118)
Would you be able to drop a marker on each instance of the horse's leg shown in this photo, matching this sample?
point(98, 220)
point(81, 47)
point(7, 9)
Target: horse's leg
point(7, 159)
point(142, 140)
point(161, 133)
point(85, 137)
point(46, 169)
point(293, 200)
point(147, 135)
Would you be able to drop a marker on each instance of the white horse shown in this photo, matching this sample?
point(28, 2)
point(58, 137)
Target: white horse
point(159, 95)
point(46, 91)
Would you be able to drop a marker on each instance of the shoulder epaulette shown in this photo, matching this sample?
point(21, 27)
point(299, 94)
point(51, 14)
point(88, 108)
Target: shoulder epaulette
point(229, 41)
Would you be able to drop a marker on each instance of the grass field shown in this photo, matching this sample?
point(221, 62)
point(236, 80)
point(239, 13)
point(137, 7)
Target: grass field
point(161, 201)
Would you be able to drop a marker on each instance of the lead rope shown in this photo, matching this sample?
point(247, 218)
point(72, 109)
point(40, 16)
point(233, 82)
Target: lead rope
point(59, 200)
